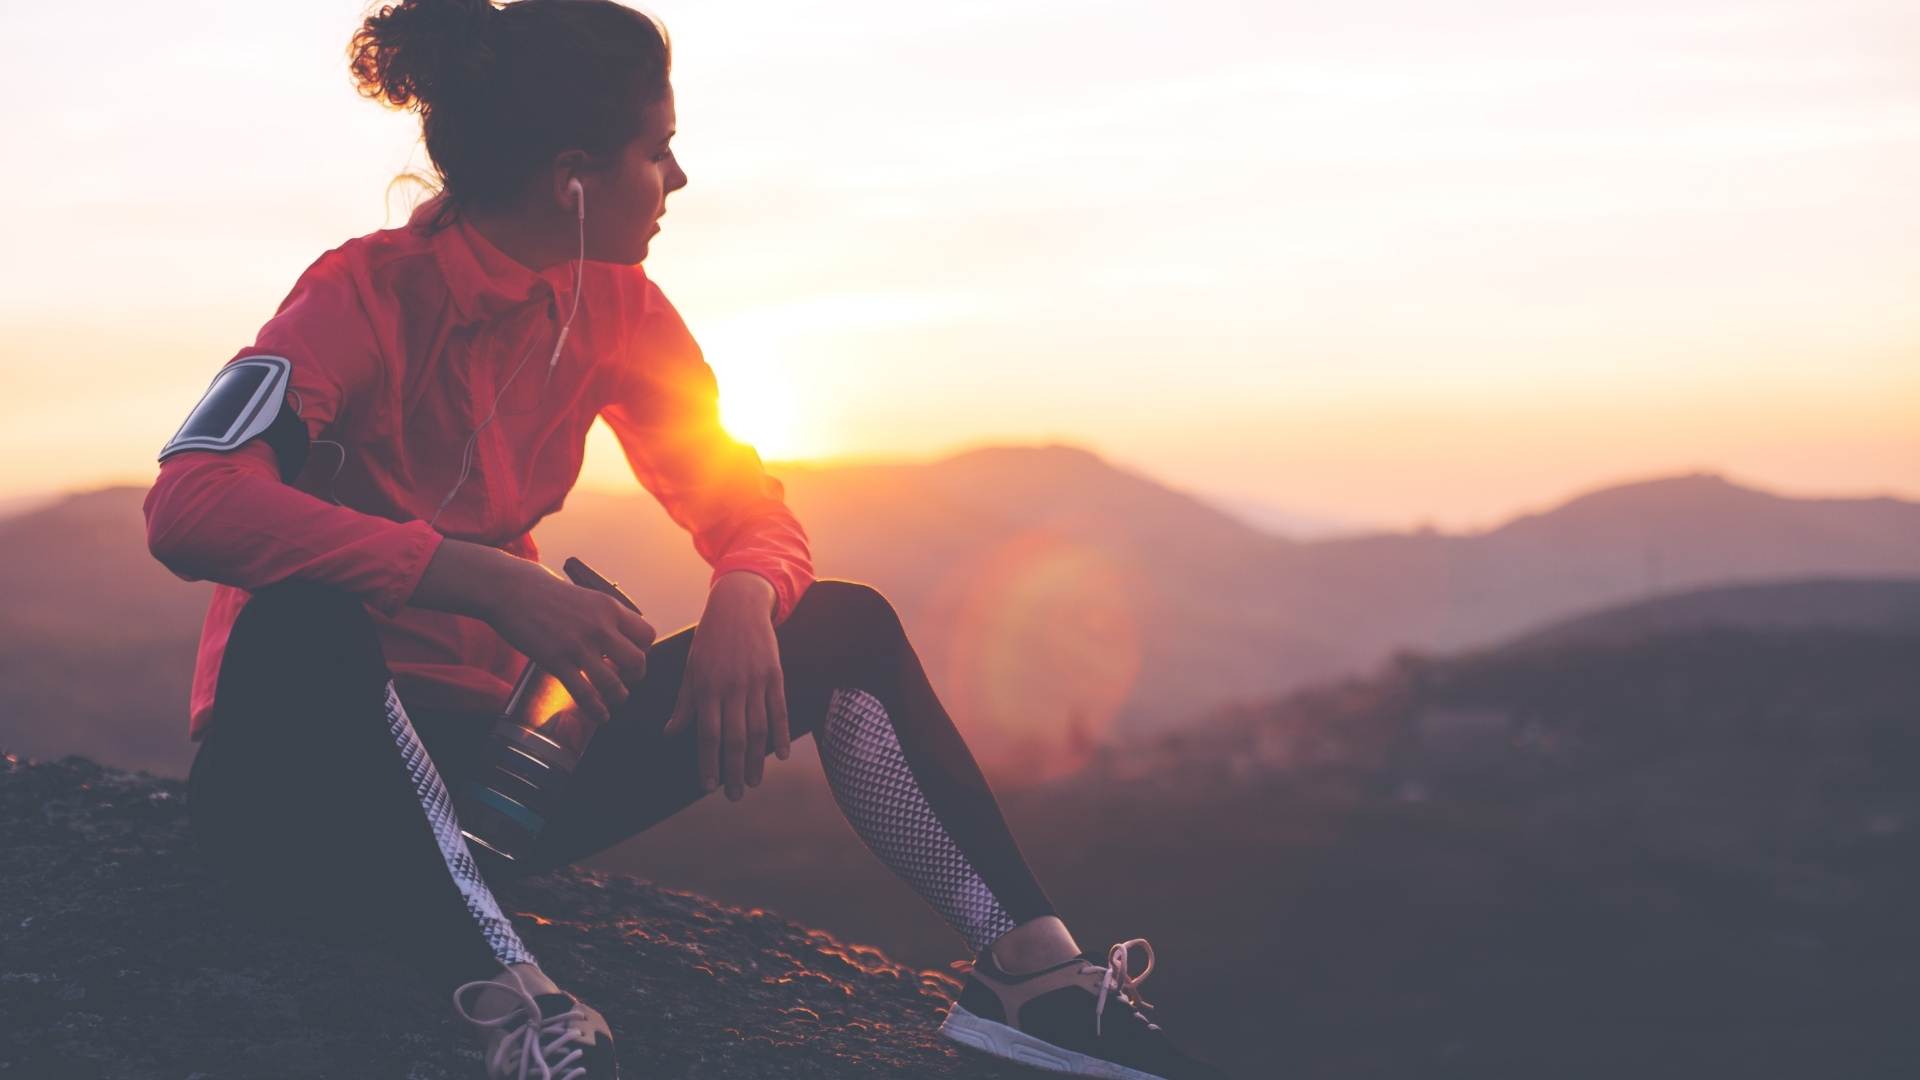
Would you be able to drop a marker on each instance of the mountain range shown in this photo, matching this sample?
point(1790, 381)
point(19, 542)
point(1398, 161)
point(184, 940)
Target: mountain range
point(1059, 603)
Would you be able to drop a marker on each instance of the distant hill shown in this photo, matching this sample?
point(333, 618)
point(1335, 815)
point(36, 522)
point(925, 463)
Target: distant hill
point(1443, 592)
point(1283, 522)
point(1059, 602)
point(96, 638)
point(21, 504)
point(1891, 605)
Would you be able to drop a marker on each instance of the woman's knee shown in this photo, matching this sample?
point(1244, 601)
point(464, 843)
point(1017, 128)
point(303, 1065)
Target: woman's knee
point(857, 608)
point(303, 625)
point(303, 604)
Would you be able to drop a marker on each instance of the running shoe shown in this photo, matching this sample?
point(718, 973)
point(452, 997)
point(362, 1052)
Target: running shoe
point(1076, 1017)
point(570, 1042)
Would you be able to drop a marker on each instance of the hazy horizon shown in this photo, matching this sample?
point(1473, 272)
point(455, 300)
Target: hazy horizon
point(1376, 264)
point(1272, 518)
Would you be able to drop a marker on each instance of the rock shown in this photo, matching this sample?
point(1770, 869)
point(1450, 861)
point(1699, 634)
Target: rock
point(117, 961)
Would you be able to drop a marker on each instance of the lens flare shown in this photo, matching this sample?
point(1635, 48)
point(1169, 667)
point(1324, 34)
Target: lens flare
point(1044, 650)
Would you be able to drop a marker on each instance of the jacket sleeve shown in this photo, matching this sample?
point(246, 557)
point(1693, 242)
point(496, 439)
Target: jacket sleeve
point(666, 414)
point(227, 517)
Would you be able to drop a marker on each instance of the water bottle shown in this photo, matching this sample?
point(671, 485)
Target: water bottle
point(531, 753)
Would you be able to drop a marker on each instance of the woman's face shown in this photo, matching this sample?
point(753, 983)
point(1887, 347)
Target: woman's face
point(624, 204)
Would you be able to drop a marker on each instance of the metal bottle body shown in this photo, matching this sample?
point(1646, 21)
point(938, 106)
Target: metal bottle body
point(531, 753)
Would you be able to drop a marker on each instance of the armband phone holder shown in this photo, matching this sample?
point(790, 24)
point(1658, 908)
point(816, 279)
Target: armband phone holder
point(246, 401)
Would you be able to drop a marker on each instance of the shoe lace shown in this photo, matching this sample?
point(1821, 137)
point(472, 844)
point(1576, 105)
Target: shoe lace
point(524, 1041)
point(1124, 986)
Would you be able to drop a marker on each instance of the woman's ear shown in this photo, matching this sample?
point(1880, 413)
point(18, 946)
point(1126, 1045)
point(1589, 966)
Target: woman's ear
point(568, 168)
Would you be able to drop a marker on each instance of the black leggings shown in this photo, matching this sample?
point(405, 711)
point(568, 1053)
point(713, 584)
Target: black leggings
point(321, 801)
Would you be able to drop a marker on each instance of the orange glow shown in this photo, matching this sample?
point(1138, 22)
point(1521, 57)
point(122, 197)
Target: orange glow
point(1045, 649)
point(754, 414)
point(1436, 270)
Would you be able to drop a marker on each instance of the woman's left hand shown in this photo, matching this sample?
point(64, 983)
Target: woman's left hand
point(733, 686)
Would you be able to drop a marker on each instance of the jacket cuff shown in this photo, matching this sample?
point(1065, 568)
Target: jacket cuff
point(420, 541)
point(786, 590)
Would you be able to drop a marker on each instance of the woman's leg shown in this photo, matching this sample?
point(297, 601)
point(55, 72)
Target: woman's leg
point(314, 799)
point(896, 764)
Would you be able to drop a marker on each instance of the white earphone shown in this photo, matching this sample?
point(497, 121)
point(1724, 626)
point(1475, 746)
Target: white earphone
point(580, 213)
point(579, 193)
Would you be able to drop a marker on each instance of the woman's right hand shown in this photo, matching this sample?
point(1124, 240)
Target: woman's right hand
point(586, 639)
point(595, 645)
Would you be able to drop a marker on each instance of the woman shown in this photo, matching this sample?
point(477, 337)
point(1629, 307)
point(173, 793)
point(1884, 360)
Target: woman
point(362, 480)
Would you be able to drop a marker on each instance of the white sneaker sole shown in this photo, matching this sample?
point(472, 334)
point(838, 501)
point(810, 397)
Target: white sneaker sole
point(1004, 1041)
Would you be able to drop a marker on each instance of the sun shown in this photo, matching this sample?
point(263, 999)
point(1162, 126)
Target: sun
point(760, 413)
point(766, 398)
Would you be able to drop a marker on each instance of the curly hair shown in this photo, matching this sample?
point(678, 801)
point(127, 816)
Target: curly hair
point(501, 90)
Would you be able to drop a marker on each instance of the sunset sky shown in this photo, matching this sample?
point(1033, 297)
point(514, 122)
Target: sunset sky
point(1382, 262)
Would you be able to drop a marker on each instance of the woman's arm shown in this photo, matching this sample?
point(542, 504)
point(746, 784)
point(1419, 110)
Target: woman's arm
point(666, 416)
point(227, 517)
point(466, 579)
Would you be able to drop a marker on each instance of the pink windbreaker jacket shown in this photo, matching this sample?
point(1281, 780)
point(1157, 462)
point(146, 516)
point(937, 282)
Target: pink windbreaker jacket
point(399, 342)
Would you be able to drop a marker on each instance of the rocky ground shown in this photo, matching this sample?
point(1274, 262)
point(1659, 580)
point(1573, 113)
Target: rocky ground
point(117, 960)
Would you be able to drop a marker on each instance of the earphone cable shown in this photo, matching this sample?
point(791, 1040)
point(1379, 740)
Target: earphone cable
point(299, 407)
point(466, 455)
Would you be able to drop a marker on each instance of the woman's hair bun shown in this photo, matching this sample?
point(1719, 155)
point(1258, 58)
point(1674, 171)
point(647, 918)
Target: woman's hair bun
point(420, 53)
point(502, 90)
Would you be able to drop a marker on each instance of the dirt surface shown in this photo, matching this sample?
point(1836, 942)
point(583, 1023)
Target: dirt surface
point(118, 960)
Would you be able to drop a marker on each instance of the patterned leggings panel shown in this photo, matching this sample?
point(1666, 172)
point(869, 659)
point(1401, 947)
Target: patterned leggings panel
point(878, 792)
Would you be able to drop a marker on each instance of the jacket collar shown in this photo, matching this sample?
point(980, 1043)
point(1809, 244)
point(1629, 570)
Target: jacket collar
point(483, 280)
